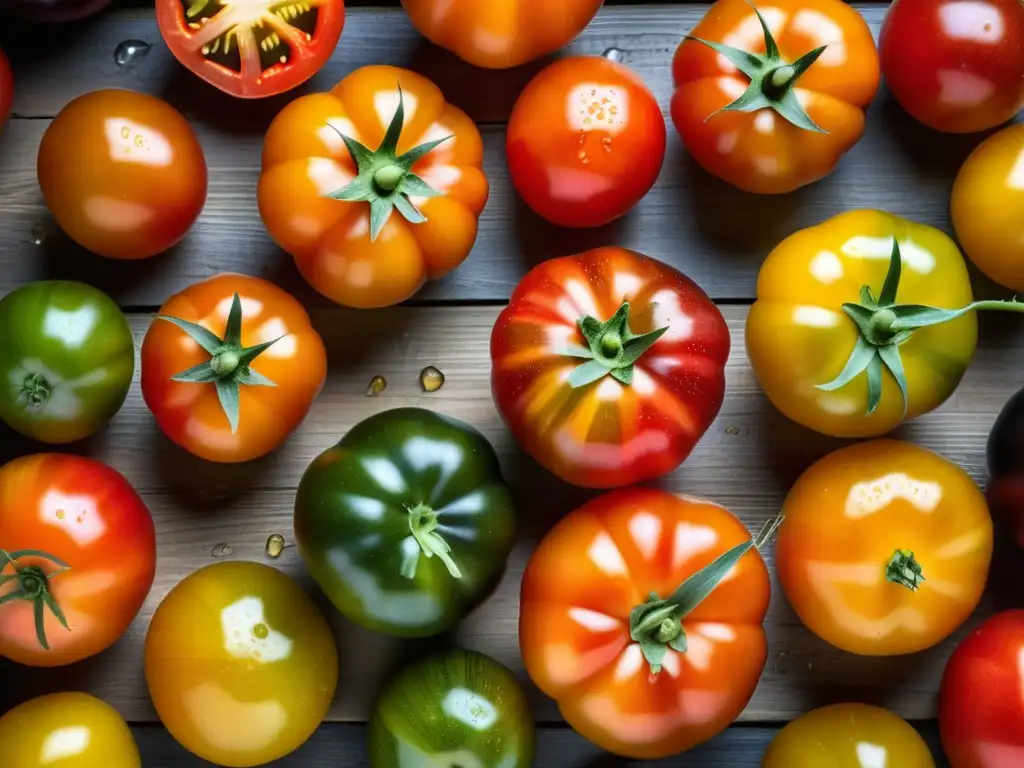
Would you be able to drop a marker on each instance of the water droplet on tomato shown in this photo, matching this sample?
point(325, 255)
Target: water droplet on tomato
point(222, 550)
point(783, 662)
point(431, 379)
point(275, 545)
point(130, 52)
point(377, 385)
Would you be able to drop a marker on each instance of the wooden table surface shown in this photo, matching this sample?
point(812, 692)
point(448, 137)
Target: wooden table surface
point(717, 235)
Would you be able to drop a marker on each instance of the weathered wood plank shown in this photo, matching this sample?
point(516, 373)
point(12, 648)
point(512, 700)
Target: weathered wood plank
point(747, 461)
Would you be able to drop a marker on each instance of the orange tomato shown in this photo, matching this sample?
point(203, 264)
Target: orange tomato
point(498, 34)
point(85, 551)
point(342, 246)
point(774, 145)
point(273, 390)
point(588, 640)
point(885, 548)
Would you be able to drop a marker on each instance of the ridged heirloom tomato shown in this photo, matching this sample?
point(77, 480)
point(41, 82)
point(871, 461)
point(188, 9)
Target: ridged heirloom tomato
point(78, 548)
point(608, 366)
point(640, 615)
point(231, 367)
point(772, 101)
point(368, 228)
point(498, 34)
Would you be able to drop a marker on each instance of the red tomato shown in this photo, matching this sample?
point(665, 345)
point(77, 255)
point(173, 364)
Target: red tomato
point(251, 48)
point(585, 142)
point(981, 704)
point(122, 173)
point(956, 66)
point(89, 556)
point(608, 366)
point(6, 88)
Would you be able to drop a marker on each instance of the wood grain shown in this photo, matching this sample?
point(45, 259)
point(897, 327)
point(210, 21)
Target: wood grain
point(747, 461)
point(689, 219)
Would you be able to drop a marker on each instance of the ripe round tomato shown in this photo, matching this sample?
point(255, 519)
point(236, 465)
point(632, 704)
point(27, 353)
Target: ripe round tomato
point(83, 547)
point(6, 88)
point(67, 730)
point(231, 366)
point(241, 665)
point(987, 206)
point(585, 142)
point(885, 548)
point(848, 736)
point(122, 173)
point(956, 66)
point(251, 48)
point(981, 708)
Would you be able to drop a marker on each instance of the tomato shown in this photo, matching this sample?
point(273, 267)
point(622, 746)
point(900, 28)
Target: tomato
point(885, 548)
point(67, 730)
point(955, 66)
point(77, 544)
point(231, 367)
point(6, 89)
point(1006, 467)
point(848, 736)
point(608, 366)
point(67, 354)
point(406, 523)
point(240, 663)
point(369, 228)
point(641, 614)
point(122, 173)
point(500, 34)
point(452, 709)
point(836, 358)
point(585, 142)
point(251, 48)
point(771, 100)
point(981, 711)
point(988, 197)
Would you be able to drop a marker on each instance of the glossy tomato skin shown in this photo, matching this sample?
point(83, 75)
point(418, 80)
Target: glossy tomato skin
point(86, 514)
point(981, 714)
point(191, 414)
point(608, 434)
point(848, 736)
point(586, 576)
point(452, 708)
point(6, 89)
point(67, 730)
point(68, 357)
point(258, 69)
point(1005, 452)
point(986, 205)
point(798, 336)
point(371, 486)
point(845, 519)
point(585, 142)
point(305, 158)
point(956, 67)
point(122, 173)
point(501, 33)
point(240, 663)
point(761, 151)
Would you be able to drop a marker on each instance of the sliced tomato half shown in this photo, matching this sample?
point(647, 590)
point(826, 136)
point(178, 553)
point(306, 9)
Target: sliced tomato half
point(252, 48)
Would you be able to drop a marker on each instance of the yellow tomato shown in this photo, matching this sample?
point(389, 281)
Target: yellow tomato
point(241, 664)
point(988, 207)
point(848, 736)
point(799, 337)
point(66, 730)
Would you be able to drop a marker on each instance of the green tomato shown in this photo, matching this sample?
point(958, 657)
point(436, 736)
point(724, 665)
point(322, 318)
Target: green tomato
point(406, 524)
point(460, 708)
point(66, 360)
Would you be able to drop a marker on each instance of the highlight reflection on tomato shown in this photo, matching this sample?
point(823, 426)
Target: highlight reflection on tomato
point(241, 664)
point(122, 173)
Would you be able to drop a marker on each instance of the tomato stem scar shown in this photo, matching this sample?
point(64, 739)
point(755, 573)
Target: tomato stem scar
point(904, 569)
point(423, 526)
point(33, 586)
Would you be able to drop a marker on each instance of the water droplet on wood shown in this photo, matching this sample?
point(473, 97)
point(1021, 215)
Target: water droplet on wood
point(783, 662)
point(130, 52)
point(377, 385)
point(275, 545)
point(431, 379)
point(222, 550)
point(39, 232)
point(613, 54)
point(732, 430)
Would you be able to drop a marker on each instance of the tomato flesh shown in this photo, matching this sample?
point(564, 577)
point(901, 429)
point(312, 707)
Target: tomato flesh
point(252, 48)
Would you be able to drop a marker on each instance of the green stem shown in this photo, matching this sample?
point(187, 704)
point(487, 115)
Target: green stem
point(904, 569)
point(389, 177)
point(226, 363)
point(667, 631)
point(423, 526)
point(33, 586)
point(611, 345)
point(781, 78)
point(883, 324)
point(37, 389)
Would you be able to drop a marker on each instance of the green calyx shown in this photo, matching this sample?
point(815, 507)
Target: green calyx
point(229, 365)
point(772, 79)
point(384, 179)
point(36, 390)
point(884, 325)
point(611, 348)
point(657, 624)
point(32, 584)
point(905, 570)
point(423, 527)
